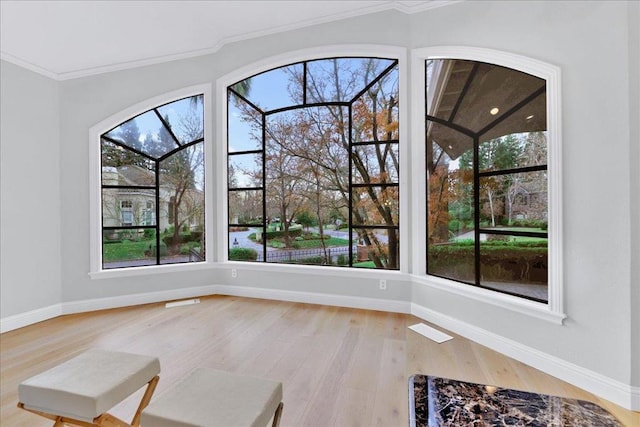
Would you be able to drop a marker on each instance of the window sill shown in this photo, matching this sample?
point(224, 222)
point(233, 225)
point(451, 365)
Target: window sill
point(360, 273)
point(519, 305)
point(151, 269)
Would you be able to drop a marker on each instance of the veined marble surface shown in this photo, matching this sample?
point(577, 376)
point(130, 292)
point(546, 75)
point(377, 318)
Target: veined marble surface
point(442, 402)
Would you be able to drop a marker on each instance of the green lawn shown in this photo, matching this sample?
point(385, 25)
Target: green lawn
point(317, 243)
point(365, 264)
point(525, 238)
point(126, 250)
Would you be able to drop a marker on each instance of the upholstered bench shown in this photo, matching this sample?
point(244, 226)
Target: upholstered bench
point(82, 390)
point(208, 398)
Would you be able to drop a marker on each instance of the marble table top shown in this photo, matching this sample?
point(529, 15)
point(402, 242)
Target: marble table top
point(440, 402)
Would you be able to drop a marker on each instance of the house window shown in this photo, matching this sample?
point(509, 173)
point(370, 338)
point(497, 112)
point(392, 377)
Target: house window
point(313, 164)
point(152, 186)
point(126, 212)
point(148, 214)
point(487, 141)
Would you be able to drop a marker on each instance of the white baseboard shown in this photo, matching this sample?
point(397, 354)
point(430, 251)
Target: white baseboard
point(34, 316)
point(598, 384)
point(593, 382)
point(21, 320)
point(393, 306)
point(136, 299)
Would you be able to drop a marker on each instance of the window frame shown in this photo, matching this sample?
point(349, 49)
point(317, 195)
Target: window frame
point(353, 146)
point(283, 60)
point(95, 191)
point(553, 309)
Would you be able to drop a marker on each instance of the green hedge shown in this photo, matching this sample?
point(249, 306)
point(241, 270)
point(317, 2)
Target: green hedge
point(243, 254)
point(194, 236)
point(500, 261)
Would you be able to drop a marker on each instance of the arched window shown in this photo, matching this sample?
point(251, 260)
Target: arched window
point(152, 187)
point(313, 164)
point(488, 151)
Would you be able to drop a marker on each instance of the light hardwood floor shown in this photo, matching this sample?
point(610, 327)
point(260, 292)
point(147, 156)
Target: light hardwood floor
point(339, 366)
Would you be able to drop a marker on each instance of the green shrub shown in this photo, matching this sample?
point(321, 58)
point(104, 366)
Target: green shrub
point(186, 248)
point(455, 225)
point(153, 251)
point(342, 259)
point(243, 254)
point(318, 260)
point(182, 238)
point(500, 261)
point(293, 232)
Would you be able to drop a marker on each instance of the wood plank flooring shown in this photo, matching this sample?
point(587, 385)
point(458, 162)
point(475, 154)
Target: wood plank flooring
point(339, 366)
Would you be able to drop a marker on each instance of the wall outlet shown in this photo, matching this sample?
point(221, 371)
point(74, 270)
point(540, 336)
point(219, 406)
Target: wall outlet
point(383, 285)
point(234, 273)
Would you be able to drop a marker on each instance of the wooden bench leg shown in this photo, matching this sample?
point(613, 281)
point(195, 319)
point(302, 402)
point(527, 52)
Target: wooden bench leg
point(145, 400)
point(277, 415)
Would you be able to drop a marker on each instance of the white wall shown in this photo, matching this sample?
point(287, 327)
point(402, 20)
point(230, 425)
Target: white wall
point(588, 40)
point(30, 192)
point(634, 165)
point(87, 101)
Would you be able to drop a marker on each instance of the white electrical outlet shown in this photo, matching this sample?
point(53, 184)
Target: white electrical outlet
point(383, 285)
point(234, 273)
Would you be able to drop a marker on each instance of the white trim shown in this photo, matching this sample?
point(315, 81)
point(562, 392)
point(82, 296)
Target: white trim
point(136, 299)
point(552, 75)
point(418, 172)
point(27, 318)
point(95, 193)
point(29, 66)
point(152, 269)
point(498, 299)
point(598, 384)
point(635, 399)
point(38, 315)
point(393, 306)
point(327, 271)
point(591, 381)
point(328, 51)
point(407, 7)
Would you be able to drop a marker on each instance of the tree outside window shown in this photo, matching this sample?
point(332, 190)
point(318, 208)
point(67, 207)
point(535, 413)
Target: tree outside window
point(313, 164)
point(153, 187)
point(486, 167)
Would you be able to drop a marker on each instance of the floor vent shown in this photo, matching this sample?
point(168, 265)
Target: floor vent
point(181, 303)
point(431, 333)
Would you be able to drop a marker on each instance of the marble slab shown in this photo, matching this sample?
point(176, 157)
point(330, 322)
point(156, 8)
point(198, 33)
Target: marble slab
point(442, 402)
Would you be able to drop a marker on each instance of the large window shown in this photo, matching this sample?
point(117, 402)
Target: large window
point(313, 164)
point(152, 187)
point(487, 179)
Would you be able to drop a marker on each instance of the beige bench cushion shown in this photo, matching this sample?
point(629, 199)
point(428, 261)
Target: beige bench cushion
point(207, 398)
point(88, 385)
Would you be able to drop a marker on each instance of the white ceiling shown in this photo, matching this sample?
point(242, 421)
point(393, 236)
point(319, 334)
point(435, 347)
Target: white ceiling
point(68, 39)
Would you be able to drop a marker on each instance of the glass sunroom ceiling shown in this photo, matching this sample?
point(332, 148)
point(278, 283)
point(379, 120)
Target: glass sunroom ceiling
point(310, 82)
point(152, 179)
point(158, 132)
point(483, 100)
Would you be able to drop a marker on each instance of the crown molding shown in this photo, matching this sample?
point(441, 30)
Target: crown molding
point(406, 7)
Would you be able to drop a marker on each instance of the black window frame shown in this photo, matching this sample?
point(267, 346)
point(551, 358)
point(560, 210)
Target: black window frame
point(352, 145)
point(156, 161)
point(478, 174)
